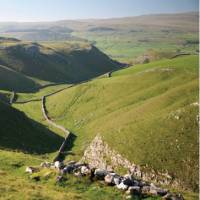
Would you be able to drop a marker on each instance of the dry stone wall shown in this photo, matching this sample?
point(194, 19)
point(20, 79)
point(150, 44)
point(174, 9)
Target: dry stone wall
point(100, 155)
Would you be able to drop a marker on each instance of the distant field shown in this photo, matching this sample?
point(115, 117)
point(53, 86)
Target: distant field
point(123, 39)
point(147, 112)
point(126, 46)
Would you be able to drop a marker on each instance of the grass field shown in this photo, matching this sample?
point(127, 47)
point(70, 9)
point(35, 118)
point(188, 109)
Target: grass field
point(126, 46)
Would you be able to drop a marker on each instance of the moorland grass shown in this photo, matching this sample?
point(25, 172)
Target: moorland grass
point(148, 113)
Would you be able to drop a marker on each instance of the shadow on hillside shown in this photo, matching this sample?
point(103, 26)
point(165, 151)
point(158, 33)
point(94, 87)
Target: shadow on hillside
point(57, 67)
point(68, 145)
point(20, 133)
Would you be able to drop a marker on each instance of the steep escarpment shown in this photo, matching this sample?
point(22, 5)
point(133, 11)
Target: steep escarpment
point(47, 63)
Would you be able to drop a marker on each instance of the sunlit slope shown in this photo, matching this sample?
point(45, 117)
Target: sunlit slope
point(147, 112)
point(26, 65)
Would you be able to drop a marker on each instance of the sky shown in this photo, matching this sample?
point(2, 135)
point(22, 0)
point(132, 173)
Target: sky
point(52, 10)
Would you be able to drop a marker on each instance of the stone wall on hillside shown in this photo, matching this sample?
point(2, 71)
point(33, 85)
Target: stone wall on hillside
point(100, 155)
point(67, 132)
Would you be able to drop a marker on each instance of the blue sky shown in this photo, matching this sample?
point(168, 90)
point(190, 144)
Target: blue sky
point(48, 10)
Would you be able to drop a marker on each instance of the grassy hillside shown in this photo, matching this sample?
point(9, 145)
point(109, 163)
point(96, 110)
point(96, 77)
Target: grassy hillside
point(18, 185)
point(25, 65)
point(28, 134)
point(147, 112)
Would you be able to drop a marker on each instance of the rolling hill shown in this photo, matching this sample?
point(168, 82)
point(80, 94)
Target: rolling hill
point(31, 65)
point(148, 113)
point(123, 39)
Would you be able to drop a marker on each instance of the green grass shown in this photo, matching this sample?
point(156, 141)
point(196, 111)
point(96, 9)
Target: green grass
point(21, 97)
point(136, 112)
point(18, 185)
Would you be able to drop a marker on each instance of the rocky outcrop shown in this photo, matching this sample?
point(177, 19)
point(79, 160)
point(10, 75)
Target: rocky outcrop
point(128, 183)
point(100, 155)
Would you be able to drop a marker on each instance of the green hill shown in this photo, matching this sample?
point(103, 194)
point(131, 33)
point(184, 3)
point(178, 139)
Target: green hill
point(32, 65)
point(148, 113)
point(123, 39)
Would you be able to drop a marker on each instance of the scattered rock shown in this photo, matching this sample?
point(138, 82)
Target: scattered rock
point(128, 181)
point(157, 191)
point(170, 196)
point(78, 174)
point(58, 164)
point(85, 170)
point(133, 190)
point(68, 169)
point(117, 180)
point(122, 186)
point(145, 190)
point(100, 174)
point(31, 169)
point(109, 179)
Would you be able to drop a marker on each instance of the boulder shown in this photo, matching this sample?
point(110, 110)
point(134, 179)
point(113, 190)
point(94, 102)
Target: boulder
point(145, 190)
point(133, 190)
point(58, 165)
point(154, 190)
point(31, 170)
point(78, 174)
point(109, 179)
point(170, 196)
point(100, 174)
point(85, 170)
point(136, 183)
point(122, 186)
point(162, 192)
point(68, 169)
point(117, 180)
point(128, 181)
